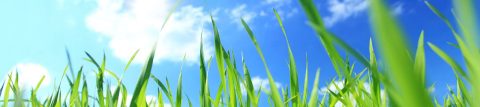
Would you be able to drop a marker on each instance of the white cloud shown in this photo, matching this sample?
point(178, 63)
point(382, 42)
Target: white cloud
point(29, 74)
point(343, 9)
point(240, 12)
point(292, 12)
point(277, 3)
point(262, 83)
point(397, 8)
point(136, 24)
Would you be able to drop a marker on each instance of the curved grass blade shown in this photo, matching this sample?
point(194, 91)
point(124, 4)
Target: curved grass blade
point(455, 66)
point(139, 94)
point(292, 66)
point(275, 95)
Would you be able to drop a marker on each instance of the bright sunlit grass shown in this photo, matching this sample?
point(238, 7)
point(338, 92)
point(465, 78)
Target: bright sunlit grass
point(399, 81)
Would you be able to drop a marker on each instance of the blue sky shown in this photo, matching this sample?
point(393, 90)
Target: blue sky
point(34, 35)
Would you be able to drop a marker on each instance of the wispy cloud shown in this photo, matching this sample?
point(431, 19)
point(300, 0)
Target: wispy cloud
point(397, 8)
point(136, 24)
point(260, 83)
point(29, 74)
point(343, 9)
point(276, 3)
point(239, 12)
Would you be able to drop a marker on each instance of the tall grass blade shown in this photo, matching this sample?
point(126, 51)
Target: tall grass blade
point(419, 65)
point(139, 95)
point(274, 94)
point(292, 66)
point(412, 91)
point(314, 94)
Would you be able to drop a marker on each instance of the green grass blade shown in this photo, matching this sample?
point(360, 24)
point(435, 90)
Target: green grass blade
point(74, 88)
point(220, 62)
point(395, 52)
point(419, 65)
point(204, 94)
point(467, 21)
point(294, 85)
point(99, 80)
point(7, 91)
point(139, 96)
point(375, 76)
point(274, 94)
point(131, 59)
point(314, 94)
point(160, 98)
point(455, 66)
point(84, 93)
point(179, 88)
point(305, 84)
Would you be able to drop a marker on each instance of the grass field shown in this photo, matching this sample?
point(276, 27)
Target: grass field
point(399, 80)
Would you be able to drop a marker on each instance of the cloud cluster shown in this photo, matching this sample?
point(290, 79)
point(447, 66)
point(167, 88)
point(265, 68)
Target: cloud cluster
point(137, 24)
point(240, 12)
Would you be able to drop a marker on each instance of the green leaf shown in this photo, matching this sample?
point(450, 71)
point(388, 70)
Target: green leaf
point(314, 94)
point(396, 55)
point(419, 66)
point(294, 86)
point(275, 95)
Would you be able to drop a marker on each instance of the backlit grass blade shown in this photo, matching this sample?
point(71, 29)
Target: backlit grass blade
point(204, 89)
point(375, 76)
point(467, 20)
point(33, 99)
point(7, 91)
point(74, 88)
point(397, 58)
point(84, 92)
point(124, 96)
point(248, 85)
point(274, 94)
point(160, 98)
point(131, 59)
point(139, 95)
point(314, 94)
point(328, 39)
point(220, 63)
point(231, 75)
point(99, 81)
point(455, 66)
point(292, 66)
point(305, 84)
point(419, 66)
point(469, 49)
point(178, 102)
point(165, 90)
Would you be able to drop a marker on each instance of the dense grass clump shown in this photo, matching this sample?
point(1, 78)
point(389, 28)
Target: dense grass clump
point(398, 81)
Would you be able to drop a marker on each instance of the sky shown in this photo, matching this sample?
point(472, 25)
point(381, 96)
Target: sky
point(35, 34)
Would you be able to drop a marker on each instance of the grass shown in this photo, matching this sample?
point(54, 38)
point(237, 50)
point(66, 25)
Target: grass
point(398, 81)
